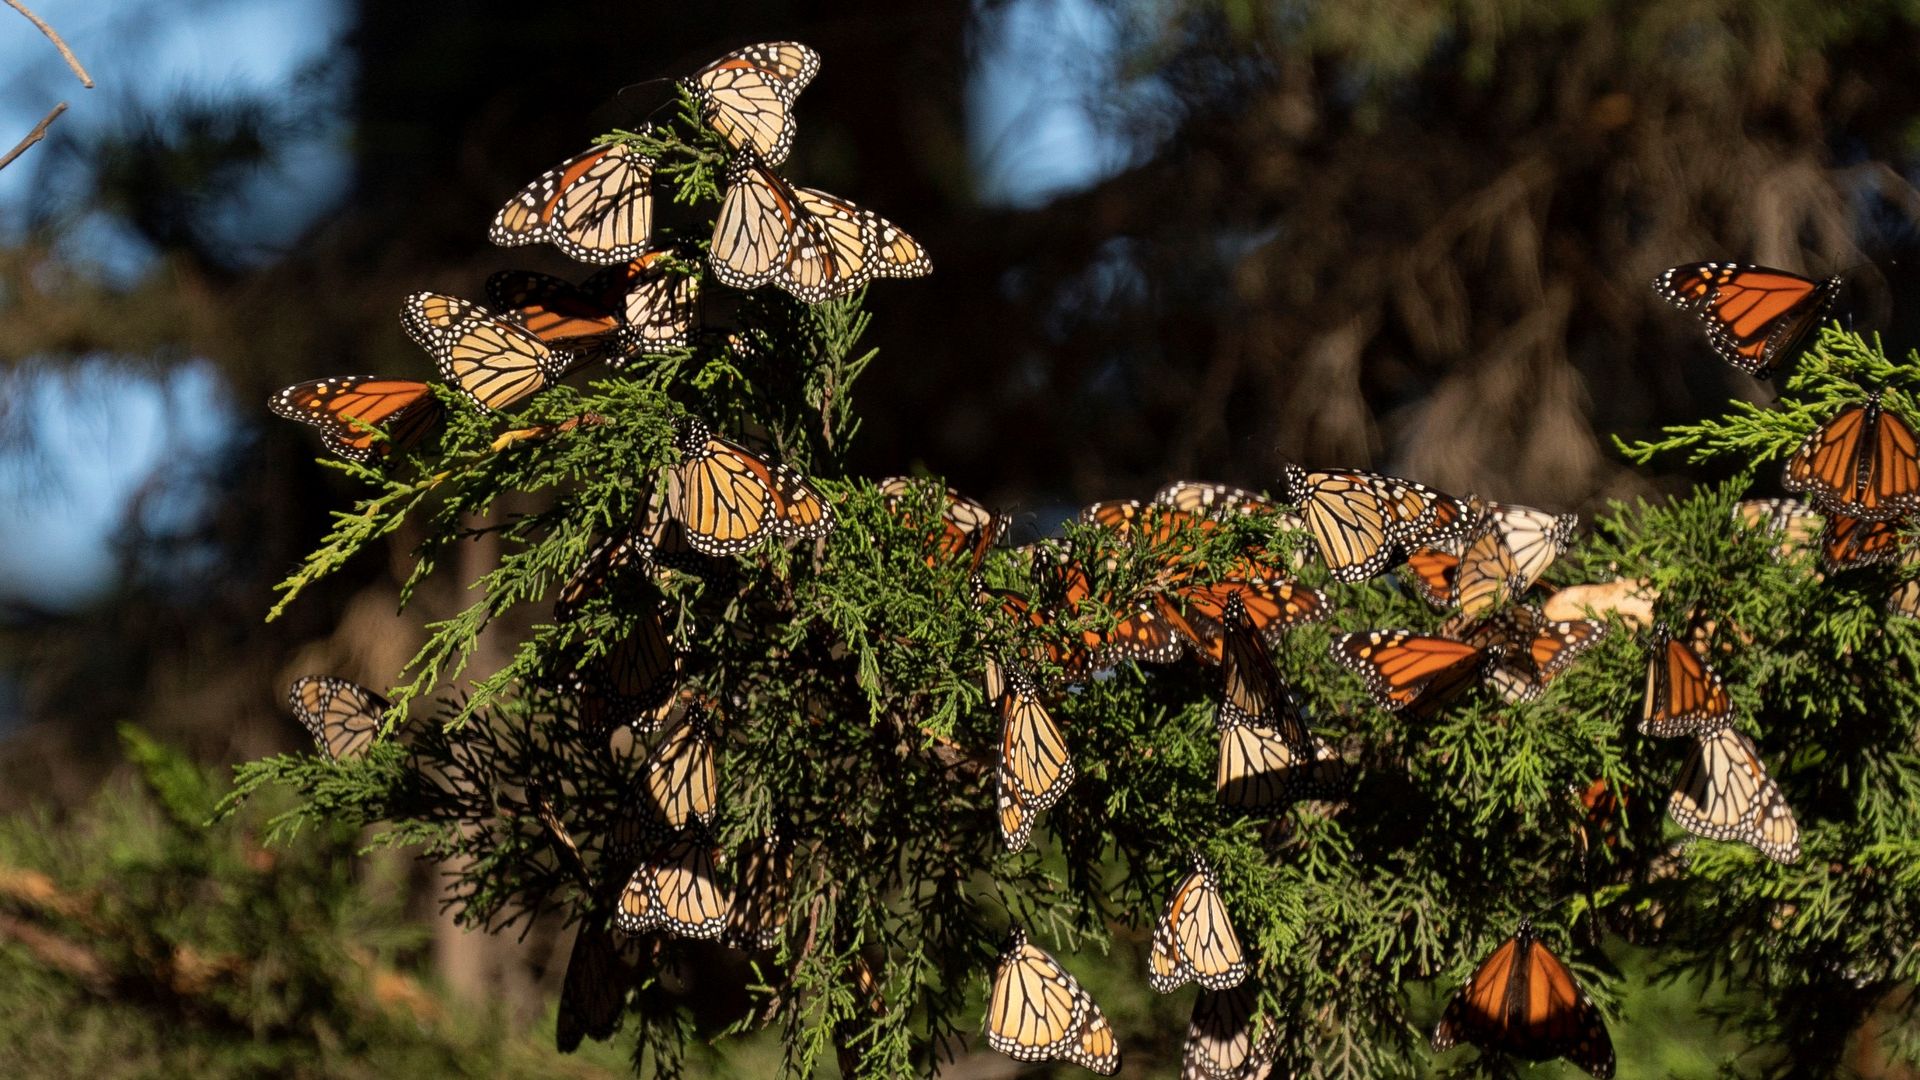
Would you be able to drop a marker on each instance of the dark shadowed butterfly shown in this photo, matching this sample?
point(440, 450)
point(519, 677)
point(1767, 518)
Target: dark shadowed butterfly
point(1403, 669)
point(1036, 1012)
point(349, 409)
point(814, 245)
point(1222, 1042)
point(632, 681)
point(639, 307)
point(759, 910)
point(747, 95)
point(494, 362)
point(1034, 769)
point(1724, 793)
point(1523, 1001)
point(343, 717)
point(1848, 543)
point(1268, 755)
point(1194, 939)
point(596, 207)
point(594, 992)
point(1756, 316)
point(1684, 695)
point(728, 499)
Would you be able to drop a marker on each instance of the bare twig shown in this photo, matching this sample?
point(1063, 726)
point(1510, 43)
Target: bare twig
point(39, 132)
point(73, 61)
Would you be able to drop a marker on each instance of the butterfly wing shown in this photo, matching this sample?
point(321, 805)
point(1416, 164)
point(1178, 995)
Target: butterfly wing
point(681, 779)
point(596, 207)
point(1403, 669)
point(759, 909)
point(1684, 695)
point(557, 312)
point(747, 95)
point(594, 991)
point(1206, 498)
point(343, 717)
point(1522, 1000)
point(492, 361)
point(1724, 793)
point(1350, 522)
point(1864, 463)
point(1848, 543)
point(1221, 1040)
point(1036, 1011)
point(1034, 762)
point(343, 406)
point(1194, 940)
point(1756, 316)
point(676, 889)
point(755, 227)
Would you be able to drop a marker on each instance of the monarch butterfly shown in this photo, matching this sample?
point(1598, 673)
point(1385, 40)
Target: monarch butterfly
point(1221, 1039)
point(680, 779)
point(1601, 803)
point(966, 527)
point(347, 408)
point(1268, 755)
point(1404, 669)
point(595, 988)
point(1206, 498)
point(747, 95)
point(1522, 1000)
point(1862, 462)
point(727, 499)
point(609, 557)
point(1502, 557)
point(1037, 1011)
point(343, 717)
point(1034, 769)
point(1357, 518)
point(633, 678)
point(1756, 316)
point(1194, 939)
point(814, 245)
point(1848, 543)
point(1527, 650)
point(1198, 611)
point(1792, 521)
point(1724, 793)
point(637, 307)
point(676, 889)
point(1684, 695)
point(759, 908)
point(492, 361)
point(596, 207)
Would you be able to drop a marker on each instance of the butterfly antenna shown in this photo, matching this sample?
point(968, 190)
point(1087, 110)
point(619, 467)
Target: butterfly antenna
point(642, 84)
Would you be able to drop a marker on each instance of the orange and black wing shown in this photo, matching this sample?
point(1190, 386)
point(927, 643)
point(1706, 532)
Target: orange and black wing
point(349, 409)
point(596, 207)
point(1684, 695)
point(1848, 543)
point(494, 362)
point(1756, 316)
point(557, 312)
point(1035, 768)
point(343, 717)
point(1864, 463)
point(677, 889)
point(1523, 1001)
point(1270, 608)
point(1194, 941)
point(747, 95)
point(1036, 1011)
point(1404, 669)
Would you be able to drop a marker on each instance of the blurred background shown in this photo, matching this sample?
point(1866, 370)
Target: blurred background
point(1172, 238)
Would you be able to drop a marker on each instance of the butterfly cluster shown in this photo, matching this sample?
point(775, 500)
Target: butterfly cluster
point(597, 208)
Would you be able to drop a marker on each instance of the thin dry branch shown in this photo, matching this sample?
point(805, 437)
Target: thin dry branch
point(73, 61)
point(39, 132)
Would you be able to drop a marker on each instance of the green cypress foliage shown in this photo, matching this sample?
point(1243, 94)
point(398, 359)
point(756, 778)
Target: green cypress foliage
point(845, 677)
